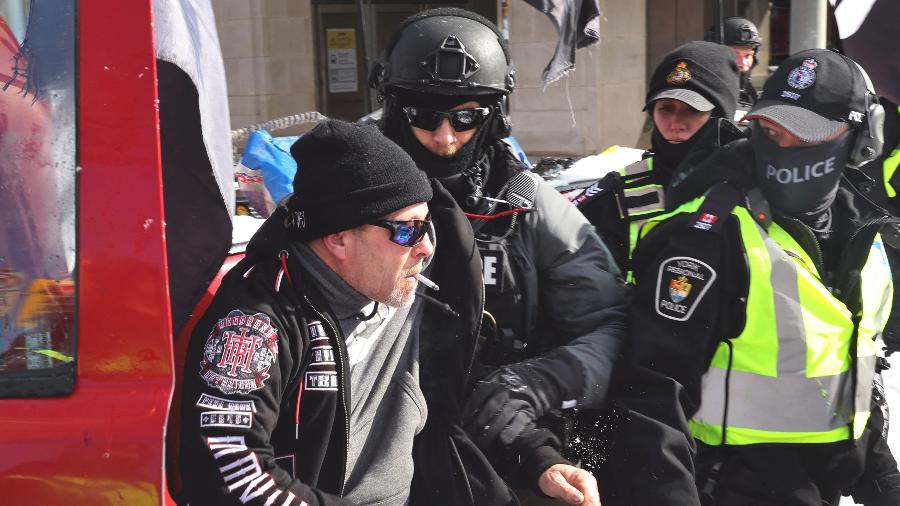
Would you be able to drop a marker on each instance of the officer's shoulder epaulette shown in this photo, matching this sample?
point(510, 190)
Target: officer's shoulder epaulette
point(715, 208)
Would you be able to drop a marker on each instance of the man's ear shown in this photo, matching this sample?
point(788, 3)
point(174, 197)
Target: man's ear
point(337, 244)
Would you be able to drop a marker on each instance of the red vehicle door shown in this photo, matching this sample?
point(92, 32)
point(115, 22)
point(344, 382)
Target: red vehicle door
point(86, 369)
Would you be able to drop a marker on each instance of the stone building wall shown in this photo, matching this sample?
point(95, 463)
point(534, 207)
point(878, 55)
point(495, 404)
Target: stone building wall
point(596, 105)
point(269, 55)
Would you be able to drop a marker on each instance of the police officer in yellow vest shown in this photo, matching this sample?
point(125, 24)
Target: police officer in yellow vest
point(891, 154)
point(756, 311)
point(691, 100)
point(885, 186)
point(883, 170)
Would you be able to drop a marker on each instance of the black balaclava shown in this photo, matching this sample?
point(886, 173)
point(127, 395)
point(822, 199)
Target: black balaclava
point(801, 182)
point(453, 171)
point(667, 156)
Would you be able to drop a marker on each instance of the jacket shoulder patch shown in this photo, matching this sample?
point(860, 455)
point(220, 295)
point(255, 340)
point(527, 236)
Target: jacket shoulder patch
point(239, 352)
point(322, 374)
point(231, 419)
point(220, 404)
point(680, 285)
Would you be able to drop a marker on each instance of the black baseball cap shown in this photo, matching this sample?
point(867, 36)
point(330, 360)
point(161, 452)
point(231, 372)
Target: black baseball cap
point(813, 94)
point(704, 75)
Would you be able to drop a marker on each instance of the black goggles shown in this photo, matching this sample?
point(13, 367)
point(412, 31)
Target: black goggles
point(405, 233)
point(462, 120)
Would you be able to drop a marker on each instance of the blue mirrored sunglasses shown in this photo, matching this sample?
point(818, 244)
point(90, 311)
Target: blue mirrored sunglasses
point(405, 233)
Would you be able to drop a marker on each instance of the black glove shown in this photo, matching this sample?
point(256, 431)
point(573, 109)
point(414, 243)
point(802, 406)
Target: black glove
point(506, 402)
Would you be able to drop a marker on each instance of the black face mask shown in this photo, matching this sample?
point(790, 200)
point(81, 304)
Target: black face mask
point(801, 181)
point(447, 169)
point(444, 168)
point(668, 156)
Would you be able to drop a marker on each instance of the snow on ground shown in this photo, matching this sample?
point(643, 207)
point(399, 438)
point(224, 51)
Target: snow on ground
point(892, 382)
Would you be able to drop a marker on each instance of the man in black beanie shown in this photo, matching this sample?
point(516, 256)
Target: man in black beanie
point(301, 380)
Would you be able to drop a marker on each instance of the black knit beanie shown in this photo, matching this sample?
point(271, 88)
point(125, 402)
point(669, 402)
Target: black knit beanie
point(347, 175)
point(701, 74)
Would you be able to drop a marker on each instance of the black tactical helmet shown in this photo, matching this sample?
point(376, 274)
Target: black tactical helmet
point(738, 32)
point(446, 51)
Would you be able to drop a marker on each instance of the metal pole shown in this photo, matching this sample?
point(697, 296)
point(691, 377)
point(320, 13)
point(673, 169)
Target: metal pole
point(719, 23)
point(808, 24)
point(363, 37)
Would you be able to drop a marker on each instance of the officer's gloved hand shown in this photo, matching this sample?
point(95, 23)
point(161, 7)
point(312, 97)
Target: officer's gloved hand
point(505, 402)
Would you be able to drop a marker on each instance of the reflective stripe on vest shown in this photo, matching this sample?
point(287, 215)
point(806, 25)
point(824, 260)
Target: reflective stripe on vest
point(890, 167)
point(638, 168)
point(636, 189)
point(795, 344)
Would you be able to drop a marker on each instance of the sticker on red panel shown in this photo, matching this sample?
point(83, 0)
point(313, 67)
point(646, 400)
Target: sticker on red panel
point(239, 352)
point(681, 284)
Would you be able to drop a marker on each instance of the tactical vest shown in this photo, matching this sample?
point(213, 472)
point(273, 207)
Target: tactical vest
point(505, 330)
point(801, 370)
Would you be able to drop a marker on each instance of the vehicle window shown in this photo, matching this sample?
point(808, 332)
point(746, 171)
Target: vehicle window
point(37, 197)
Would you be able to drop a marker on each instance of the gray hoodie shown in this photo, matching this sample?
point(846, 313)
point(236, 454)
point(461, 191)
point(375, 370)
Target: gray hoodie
point(387, 408)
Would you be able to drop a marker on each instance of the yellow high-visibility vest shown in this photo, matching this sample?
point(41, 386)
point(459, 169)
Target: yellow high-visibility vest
point(797, 373)
point(890, 167)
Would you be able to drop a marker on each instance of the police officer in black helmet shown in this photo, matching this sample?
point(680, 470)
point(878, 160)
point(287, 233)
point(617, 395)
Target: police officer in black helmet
point(554, 317)
point(741, 35)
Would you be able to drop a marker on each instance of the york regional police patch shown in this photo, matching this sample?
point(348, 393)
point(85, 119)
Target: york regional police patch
point(239, 352)
point(681, 283)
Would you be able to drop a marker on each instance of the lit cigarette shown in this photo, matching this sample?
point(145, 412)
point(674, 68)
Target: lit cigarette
point(427, 282)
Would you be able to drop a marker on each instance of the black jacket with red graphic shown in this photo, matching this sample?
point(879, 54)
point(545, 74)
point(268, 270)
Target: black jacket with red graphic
point(268, 340)
point(266, 343)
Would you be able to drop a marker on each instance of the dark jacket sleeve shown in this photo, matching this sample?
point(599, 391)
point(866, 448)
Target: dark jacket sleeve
point(601, 203)
point(233, 389)
point(672, 339)
point(581, 301)
point(581, 318)
point(879, 484)
point(449, 468)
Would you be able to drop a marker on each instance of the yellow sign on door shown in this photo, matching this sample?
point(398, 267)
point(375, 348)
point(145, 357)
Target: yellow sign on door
point(343, 74)
point(341, 38)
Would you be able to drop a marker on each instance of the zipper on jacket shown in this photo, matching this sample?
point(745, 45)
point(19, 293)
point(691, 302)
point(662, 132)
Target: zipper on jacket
point(477, 332)
point(816, 255)
point(342, 360)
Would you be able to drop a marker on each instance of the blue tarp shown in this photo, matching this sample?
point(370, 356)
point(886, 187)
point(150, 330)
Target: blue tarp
point(272, 157)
